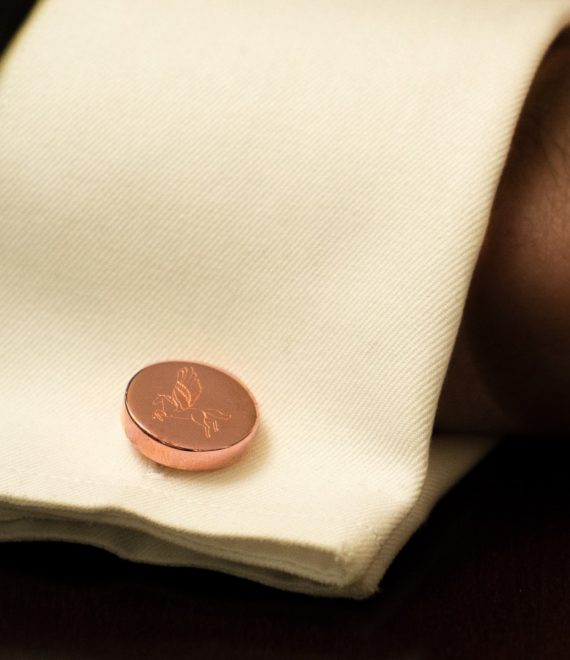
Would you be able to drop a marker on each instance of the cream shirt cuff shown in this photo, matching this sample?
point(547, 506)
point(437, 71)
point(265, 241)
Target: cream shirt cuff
point(296, 192)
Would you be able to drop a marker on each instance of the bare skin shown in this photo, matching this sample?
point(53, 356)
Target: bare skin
point(510, 368)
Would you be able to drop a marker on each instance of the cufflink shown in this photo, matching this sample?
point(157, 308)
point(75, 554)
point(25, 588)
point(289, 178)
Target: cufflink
point(189, 415)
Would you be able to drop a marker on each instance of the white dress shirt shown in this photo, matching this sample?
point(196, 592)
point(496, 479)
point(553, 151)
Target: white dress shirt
point(294, 191)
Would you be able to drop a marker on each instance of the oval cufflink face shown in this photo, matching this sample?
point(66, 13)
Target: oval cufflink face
point(189, 415)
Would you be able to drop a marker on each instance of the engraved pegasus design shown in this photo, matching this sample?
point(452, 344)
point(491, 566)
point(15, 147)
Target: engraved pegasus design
point(181, 403)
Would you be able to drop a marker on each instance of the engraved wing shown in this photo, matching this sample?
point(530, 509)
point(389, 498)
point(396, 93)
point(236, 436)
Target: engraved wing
point(187, 389)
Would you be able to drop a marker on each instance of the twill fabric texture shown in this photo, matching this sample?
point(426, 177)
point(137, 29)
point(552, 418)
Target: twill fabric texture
point(294, 191)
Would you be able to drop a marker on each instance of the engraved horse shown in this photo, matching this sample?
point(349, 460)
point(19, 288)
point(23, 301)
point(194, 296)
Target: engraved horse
point(181, 403)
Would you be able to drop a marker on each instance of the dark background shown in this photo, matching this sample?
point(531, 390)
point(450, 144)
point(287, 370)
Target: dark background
point(488, 576)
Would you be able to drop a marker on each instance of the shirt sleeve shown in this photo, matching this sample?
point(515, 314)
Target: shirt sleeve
point(296, 192)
